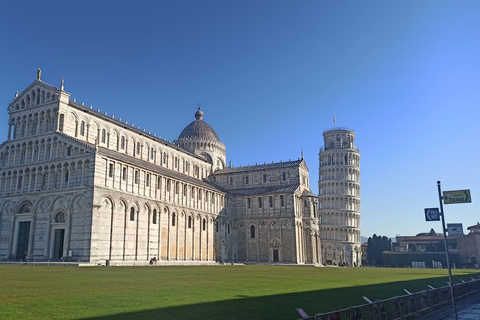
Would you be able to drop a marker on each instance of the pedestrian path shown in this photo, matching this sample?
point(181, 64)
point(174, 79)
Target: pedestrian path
point(468, 310)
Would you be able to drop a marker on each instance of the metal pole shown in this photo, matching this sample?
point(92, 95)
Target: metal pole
point(446, 249)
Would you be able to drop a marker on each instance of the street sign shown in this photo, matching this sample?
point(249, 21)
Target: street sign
point(456, 196)
point(432, 214)
point(455, 229)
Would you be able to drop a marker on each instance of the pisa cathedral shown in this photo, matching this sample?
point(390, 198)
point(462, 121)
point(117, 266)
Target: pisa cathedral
point(78, 185)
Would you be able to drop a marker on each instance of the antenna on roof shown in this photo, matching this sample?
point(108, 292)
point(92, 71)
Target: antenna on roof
point(302, 153)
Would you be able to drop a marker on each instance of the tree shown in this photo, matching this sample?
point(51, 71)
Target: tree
point(376, 246)
point(431, 233)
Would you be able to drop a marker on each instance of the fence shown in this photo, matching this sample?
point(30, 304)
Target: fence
point(404, 307)
point(33, 262)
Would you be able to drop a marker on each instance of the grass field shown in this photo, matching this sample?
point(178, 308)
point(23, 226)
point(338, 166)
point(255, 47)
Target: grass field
point(216, 292)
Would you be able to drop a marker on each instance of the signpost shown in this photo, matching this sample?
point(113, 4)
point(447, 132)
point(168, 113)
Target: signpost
point(457, 196)
point(455, 229)
point(449, 197)
point(432, 214)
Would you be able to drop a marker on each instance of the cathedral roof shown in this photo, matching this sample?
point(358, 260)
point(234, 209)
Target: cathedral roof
point(308, 193)
point(273, 165)
point(257, 191)
point(198, 130)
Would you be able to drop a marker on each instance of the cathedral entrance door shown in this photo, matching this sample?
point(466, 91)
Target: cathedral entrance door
point(275, 255)
point(58, 244)
point(23, 237)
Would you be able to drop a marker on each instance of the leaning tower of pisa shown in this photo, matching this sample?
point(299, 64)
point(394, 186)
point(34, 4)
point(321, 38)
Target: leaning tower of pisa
point(339, 198)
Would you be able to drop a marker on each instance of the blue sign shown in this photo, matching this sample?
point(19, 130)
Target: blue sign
point(432, 214)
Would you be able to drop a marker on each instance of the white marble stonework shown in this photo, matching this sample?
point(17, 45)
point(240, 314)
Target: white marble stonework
point(77, 184)
point(339, 198)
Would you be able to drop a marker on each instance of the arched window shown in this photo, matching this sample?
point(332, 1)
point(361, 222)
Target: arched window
point(61, 122)
point(252, 232)
point(136, 178)
point(189, 222)
point(104, 135)
point(138, 148)
point(204, 224)
point(173, 219)
point(132, 214)
point(154, 217)
point(82, 128)
point(122, 143)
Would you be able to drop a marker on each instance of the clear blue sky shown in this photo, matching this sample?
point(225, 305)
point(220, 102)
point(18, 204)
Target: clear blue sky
point(405, 75)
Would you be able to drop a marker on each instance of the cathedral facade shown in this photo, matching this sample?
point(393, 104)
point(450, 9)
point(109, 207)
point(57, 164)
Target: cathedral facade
point(78, 185)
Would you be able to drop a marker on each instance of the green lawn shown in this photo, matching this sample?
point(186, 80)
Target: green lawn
point(216, 292)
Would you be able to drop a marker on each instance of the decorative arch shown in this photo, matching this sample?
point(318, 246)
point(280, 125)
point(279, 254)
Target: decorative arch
point(60, 217)
point(108, 200)
point(25, 206)
point(275, 242)
point(206, 156)
point(60, 201)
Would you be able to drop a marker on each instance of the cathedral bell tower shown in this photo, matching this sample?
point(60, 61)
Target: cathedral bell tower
point(339, 198)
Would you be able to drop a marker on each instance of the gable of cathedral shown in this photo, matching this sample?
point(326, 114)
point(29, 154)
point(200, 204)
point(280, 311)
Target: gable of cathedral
point(36, 94)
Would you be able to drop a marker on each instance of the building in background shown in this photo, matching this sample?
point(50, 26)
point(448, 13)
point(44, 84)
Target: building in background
point(76, 184)
point(469, 246)
point(339, 198)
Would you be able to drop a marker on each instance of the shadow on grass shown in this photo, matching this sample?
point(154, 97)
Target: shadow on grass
point(282, 306)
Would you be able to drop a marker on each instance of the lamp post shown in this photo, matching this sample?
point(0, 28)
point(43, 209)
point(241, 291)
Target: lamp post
point(446, 249)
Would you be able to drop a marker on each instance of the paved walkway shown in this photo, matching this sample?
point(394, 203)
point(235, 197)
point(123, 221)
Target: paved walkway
point(468, 310)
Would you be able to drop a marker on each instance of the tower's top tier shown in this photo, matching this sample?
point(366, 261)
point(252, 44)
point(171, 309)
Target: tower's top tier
point(339, 138)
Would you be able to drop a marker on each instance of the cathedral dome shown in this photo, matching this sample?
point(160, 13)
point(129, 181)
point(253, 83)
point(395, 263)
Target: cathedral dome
point(198, 129)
